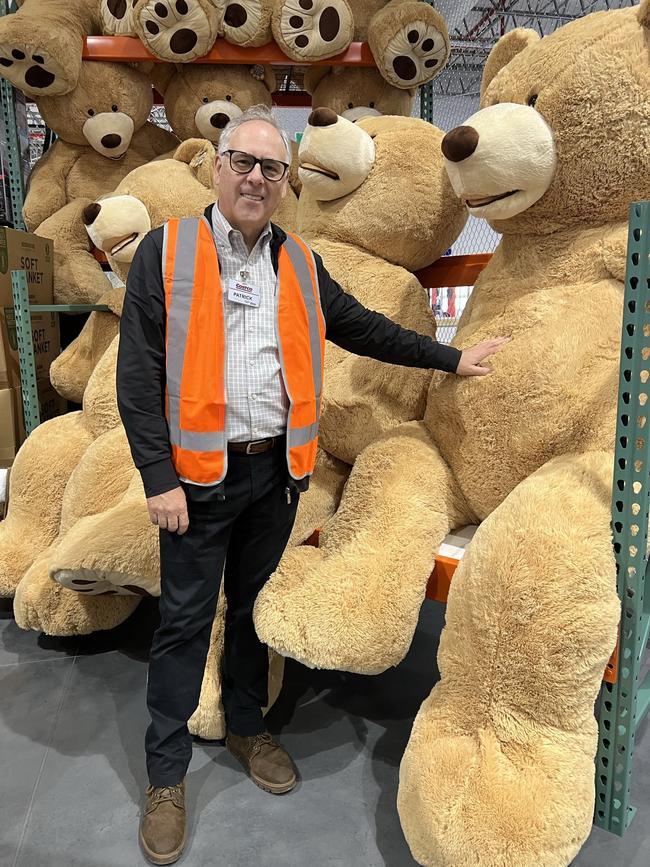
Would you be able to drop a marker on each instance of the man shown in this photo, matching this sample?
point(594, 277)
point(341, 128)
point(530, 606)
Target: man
point(219, 379)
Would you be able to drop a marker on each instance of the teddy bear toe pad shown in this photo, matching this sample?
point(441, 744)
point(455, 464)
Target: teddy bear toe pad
point(97, 582)
point(31, 69)
point(176, 30)
point(314, 28)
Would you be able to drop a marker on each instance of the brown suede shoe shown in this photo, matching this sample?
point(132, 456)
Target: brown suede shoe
point(268, 765)
point(162, 826)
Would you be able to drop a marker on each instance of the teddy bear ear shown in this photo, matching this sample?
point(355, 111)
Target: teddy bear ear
point(266, 75)
point(200, 155)
point(644, 13)
point(508, 47)
point(314, 75)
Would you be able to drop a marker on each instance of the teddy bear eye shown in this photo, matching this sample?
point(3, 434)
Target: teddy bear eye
point(91, 112)
point(229, 98)
point(350, 105)
point(372, 105)
point(205, 99)
point(113, 108)
point(532, 100)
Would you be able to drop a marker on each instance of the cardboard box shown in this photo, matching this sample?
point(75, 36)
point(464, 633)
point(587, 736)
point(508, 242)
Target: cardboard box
point(22, 250)
point(12, 427)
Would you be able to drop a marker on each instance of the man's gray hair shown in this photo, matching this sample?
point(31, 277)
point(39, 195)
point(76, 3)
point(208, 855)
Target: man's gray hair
point(255, 112)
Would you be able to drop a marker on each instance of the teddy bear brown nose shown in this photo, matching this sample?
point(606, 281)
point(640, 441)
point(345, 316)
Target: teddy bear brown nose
point(111, 141)
point(322, 117)
point(90, 213)
point(219, 120)
point(460, 143)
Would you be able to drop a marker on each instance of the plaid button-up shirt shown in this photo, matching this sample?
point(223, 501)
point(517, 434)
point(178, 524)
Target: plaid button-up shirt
point(257, 402)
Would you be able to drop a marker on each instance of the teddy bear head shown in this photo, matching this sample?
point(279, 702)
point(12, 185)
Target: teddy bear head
point(563, 135)
point(379, 184)
point(149, 195)
point(109, 104)
point(200, 100)
point(356, 92)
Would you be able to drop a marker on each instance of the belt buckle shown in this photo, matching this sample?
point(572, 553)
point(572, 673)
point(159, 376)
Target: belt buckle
point(249, 451)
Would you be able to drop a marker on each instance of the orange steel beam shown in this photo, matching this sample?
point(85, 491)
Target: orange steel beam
point(130, 48)
point(453, 271)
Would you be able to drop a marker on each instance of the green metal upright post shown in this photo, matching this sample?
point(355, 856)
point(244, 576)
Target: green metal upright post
point(15, 164)
point(624, 704)
point(29, 388)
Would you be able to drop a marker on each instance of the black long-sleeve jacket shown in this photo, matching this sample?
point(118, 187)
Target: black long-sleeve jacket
point(141, 358)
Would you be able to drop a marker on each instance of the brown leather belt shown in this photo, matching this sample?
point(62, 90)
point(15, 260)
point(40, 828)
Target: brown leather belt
point(252, 447)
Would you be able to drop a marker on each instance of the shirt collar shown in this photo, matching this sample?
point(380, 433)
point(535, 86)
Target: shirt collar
point(224, 232)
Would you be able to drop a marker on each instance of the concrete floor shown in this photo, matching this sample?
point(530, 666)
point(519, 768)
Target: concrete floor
point(72, 721)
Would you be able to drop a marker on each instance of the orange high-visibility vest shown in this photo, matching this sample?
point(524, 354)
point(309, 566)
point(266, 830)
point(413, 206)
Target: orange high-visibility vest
point(195, 395)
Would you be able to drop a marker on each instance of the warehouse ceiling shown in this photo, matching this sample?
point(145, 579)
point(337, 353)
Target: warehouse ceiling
point(475, 25)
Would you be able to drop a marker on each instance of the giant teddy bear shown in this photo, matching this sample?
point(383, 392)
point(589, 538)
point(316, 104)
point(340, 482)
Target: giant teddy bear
point(103, 133)
point(40, 48)
point(499, 769)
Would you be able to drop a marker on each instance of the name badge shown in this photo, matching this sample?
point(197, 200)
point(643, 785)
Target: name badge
point(243, 293)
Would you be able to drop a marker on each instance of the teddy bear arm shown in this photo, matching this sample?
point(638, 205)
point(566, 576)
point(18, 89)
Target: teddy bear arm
point(531, 621)
point(353, 603)
point(614, 253)
point(39, 475)
point(71, 370)
point(46, 189)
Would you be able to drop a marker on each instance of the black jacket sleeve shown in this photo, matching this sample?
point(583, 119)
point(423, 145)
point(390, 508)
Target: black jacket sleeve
point(365, 332)
point(141, 368)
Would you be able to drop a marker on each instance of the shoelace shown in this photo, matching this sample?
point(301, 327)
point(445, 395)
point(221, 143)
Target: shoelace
point(167, 793)
point(259, 741)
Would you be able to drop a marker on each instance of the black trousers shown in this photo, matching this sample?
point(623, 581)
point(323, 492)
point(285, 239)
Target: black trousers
point(248, 531)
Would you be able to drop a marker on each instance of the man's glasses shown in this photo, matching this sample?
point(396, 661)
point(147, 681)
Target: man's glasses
point(243, 163)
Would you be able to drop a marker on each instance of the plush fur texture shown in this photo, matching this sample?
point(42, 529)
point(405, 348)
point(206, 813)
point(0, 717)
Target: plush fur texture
point(494, 770)
point(394, 221)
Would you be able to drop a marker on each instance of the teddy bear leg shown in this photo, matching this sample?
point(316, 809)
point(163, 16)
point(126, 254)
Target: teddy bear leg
point(312, 29)
point(45, 606)
point(117, 17)
point(353, 603)
point(247, 22)
point(177, 30)
point(38, 479)
point(409, 41)
point(499, 769)
point(38, 54)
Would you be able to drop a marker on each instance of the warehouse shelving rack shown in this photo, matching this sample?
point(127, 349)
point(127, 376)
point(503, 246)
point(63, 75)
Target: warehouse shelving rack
point(624, 700)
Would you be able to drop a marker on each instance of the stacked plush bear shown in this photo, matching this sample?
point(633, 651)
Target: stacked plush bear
point(41, 45)
point(499, 769)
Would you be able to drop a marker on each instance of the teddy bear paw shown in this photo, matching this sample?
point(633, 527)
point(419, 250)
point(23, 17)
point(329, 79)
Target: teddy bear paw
point(43, 605)
point(247, 22)
point(32, 70)
point(177, 30)
point(410, 53)
point(311, 29)
point(96, 582)
point(117, 17)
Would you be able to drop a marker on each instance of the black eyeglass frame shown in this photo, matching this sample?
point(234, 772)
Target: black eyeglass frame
point(261, 162)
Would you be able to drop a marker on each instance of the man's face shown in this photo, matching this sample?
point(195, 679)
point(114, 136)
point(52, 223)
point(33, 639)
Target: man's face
point(248, 201)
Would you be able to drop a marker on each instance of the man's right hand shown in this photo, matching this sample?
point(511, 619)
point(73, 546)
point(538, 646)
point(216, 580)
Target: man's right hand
point(169, 511)
point(470, 359)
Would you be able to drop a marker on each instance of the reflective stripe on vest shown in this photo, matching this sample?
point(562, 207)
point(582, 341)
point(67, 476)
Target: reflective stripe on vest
point(195, 398)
